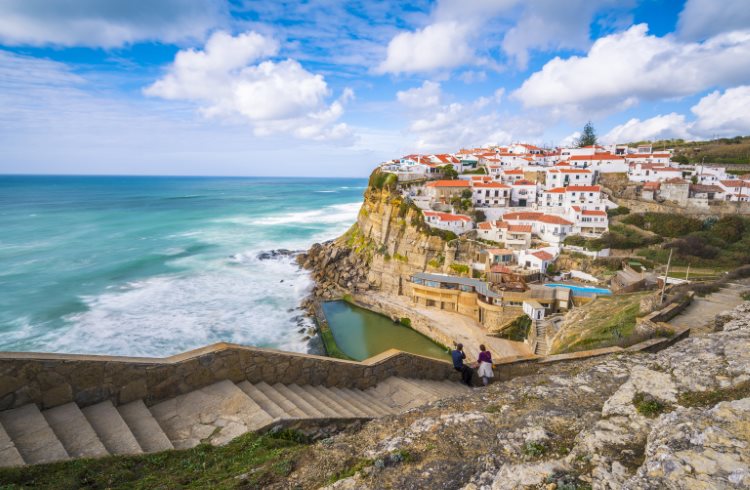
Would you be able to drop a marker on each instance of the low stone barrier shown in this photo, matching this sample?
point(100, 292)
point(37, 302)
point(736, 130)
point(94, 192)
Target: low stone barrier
point(55, 379)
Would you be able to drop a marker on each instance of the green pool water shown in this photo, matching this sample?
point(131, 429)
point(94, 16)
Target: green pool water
point(361, 333)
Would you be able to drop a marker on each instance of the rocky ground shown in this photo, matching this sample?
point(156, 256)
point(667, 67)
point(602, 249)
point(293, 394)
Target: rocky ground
point(675, 419)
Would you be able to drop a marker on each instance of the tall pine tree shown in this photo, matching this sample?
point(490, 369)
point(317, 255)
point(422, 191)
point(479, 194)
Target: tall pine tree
point(588, 137)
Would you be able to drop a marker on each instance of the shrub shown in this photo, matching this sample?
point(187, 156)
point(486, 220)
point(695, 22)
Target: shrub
point(665, 224)
point(695, 246)
point(460, 268)
point(647, 405)
point(729, 228)
point(405, 322)
point(618, 211)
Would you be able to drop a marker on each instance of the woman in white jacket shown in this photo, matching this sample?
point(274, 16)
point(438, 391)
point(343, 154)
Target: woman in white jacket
point(485, 365)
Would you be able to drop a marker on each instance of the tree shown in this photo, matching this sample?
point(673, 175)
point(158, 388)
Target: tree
point(681, 159)
point(588, 137)
point(449, 172)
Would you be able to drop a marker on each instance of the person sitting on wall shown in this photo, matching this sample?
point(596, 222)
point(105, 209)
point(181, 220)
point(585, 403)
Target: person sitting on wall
point(458, 364)
point(485, 365)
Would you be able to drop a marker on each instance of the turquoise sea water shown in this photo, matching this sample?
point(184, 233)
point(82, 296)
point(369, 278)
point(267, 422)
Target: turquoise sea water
point(580, 290)
point(153, 266)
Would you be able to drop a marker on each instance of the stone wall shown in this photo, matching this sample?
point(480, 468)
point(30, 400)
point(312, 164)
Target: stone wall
point(54, 379)
point(694, 207)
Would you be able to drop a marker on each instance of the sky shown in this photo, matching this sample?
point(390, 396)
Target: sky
point(334, 87)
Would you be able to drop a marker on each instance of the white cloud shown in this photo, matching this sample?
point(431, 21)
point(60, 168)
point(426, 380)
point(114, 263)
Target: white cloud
point(437, 46)
point(716, 115)
point(106, 23)
point(274, 96)
point(726, 114)
point(440, 125)
point(428, 95)
point(550, 25)
point(633, 66)
point(701, 19)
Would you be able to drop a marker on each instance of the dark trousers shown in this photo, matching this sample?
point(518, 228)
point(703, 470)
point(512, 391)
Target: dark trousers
point(466, 374)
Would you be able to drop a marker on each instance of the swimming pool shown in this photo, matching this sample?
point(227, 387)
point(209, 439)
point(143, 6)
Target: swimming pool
point(580, 290)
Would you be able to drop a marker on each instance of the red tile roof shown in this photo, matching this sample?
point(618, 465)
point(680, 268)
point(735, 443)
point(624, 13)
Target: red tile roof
point(583, 188)
point(557, 190)
point(448, 183)
point(593, 212)
point(447, 216)
point(523, 182)
point(596, 156)
point(543, 255)
point(490, 185)
point(519, 228)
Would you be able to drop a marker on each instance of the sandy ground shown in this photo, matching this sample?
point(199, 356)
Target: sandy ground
point(458, 327)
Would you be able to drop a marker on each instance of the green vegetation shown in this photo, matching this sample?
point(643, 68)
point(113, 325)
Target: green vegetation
point(329, 342)
point(382, 180)
point(477, 171)
point(449, 173)
point(518, 330)
point(250, 461)
point(437, 262)
point(618, 211)
point(400, 258)
point(745, 296)
point(718, 244)
point(723, 150)
point(618, 237)
point(354, 468)
point(405, 322)
point(608, 321)
point(534, 449)
point(709, 398)
point(588, 136)
point(460, 268)
point(647, 405)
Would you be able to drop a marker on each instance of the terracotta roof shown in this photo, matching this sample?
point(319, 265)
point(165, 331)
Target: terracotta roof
point(491, 185)
point(448, 183)
point(484, 225)
point(593, 212)
point(675, 180)
point(519, 228)
point(543, 255)
point(554, 220)
point(651, 185)
point(573, 171)
point(735, 183)
point(499, 251)
point(597, 156)
point(583, 188)
point(557, 190)
point(705, 188)
point(515, 171)
point(562, 164)
point(523, 182)
point(534, 216)
point(447, 216)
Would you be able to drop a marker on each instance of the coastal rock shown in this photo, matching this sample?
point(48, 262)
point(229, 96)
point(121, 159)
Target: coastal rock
point(278, 253)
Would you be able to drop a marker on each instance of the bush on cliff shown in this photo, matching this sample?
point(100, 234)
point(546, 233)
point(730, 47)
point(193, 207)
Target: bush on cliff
point(665, 224)
point(383, 180)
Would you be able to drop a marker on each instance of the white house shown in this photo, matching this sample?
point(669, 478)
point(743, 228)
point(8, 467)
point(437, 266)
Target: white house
point(564, 176)
point(513, 236)
point(735, 189)
point(490, 193)
point(548, 227)
point(652, 172)
point(536, 259)
point(588, 221)
point(601, 162)
point(660, 158)
point(523, 193)
point(457, 223)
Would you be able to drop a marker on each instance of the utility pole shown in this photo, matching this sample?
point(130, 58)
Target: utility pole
point(687, 274)
point(666, 277)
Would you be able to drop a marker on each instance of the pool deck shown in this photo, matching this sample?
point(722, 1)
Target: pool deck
point(457, 327)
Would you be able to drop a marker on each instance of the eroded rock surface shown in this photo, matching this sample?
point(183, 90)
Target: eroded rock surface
point(676, 419)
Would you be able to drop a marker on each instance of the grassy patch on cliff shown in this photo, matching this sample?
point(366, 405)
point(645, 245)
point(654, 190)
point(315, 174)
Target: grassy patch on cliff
point(605, 322)
point(250, 461)
point(518, 330)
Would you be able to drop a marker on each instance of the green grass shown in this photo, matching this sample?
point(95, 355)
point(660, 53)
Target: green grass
point(263, 459)
point(351, 470)
point(710, 398)
point(460, 268)
point(647, 405)
point(610, 321)
point(518, 330)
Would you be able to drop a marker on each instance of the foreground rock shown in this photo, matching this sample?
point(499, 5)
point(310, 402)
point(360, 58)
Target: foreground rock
point(676, 419)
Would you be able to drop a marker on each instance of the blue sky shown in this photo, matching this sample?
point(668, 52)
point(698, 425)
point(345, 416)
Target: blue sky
point(331, 88)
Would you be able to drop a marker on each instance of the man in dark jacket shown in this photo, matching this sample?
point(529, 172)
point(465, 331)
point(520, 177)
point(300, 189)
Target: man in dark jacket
point(458, 363)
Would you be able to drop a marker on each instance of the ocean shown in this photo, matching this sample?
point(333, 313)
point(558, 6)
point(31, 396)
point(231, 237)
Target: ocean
point(154, 266)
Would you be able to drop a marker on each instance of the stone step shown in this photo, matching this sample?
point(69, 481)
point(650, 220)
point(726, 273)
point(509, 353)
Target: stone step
point(263, 401)
point(397, 395)
point(343, 401)
point(301, 403)
point(74, 431)
point(330, 399)
point(315, 401)
point(415, 389)
point(32, 436)
point(9, 455)
point(381, 407)
point(353, 398)
point(279, 399)
point(145, 428)
point(447, 388)
point(216, 413)
point(429, 391)
point(112, 429)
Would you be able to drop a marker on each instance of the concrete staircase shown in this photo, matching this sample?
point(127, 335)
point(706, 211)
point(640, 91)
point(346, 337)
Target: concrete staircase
point(215, 414)
point(541, 338)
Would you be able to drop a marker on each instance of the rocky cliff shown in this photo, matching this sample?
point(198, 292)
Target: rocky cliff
point(387, 244)
point(679, 418)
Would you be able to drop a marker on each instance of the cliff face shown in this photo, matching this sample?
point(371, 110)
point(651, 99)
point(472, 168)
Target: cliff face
point(381, 250)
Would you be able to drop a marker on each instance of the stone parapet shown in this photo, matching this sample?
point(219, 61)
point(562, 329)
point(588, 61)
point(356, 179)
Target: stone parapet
point(50, 380)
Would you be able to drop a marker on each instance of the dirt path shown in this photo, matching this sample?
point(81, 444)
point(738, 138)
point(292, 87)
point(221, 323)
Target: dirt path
point(449, 326)
point(701, 313)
